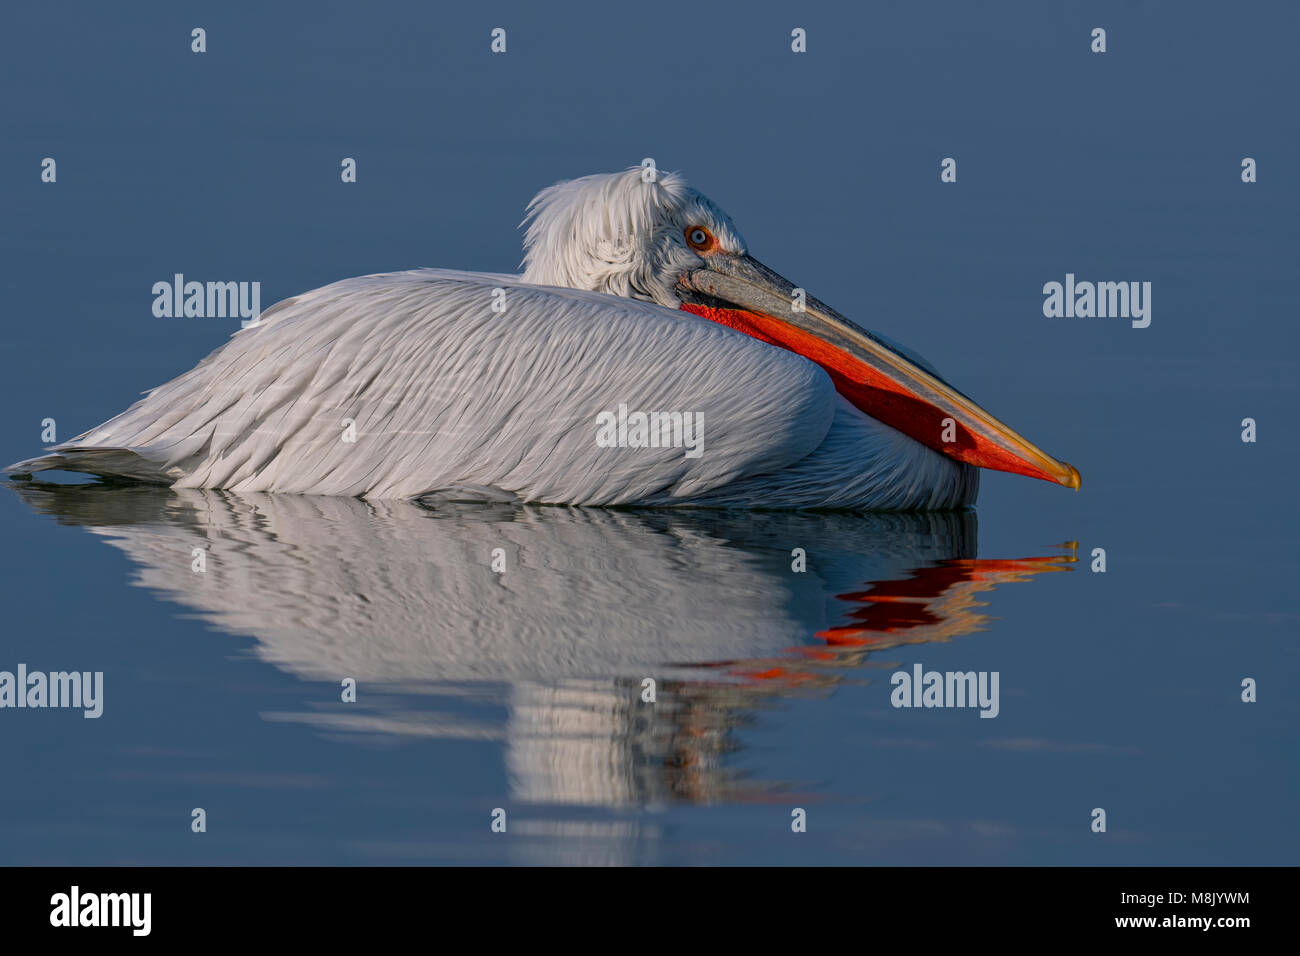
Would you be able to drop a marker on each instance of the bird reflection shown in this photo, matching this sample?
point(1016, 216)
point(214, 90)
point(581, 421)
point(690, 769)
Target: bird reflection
point(561, 615)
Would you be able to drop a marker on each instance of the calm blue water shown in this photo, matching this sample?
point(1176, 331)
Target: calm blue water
point(1118, 690)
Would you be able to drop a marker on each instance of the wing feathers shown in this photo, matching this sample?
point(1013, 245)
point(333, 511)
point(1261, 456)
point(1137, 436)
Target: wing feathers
point(406, 384)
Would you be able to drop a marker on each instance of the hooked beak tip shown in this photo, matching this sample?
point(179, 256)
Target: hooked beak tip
point(1072, 478)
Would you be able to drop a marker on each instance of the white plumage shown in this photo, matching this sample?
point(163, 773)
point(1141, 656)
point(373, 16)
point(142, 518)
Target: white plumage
point(447, 397)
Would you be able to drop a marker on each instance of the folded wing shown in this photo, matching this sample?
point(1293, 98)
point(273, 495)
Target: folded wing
point(408, 384)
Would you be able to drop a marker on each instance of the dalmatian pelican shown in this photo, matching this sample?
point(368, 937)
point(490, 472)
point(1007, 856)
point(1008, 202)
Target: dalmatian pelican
point(636, 295)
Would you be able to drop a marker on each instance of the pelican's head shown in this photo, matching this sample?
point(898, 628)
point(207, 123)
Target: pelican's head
point(624, 234)
point(652, 237)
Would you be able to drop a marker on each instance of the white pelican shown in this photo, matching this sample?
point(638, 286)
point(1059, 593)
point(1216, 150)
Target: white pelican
point(635, 295)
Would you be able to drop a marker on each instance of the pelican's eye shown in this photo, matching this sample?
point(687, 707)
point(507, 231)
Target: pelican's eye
point(699, 238)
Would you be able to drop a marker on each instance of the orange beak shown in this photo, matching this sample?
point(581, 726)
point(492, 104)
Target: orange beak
point(876, 377)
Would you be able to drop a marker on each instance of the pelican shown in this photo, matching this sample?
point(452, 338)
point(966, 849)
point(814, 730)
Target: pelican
point(635, 295)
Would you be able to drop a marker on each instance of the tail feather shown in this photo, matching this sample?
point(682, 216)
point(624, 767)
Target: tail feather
point(101, 460)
